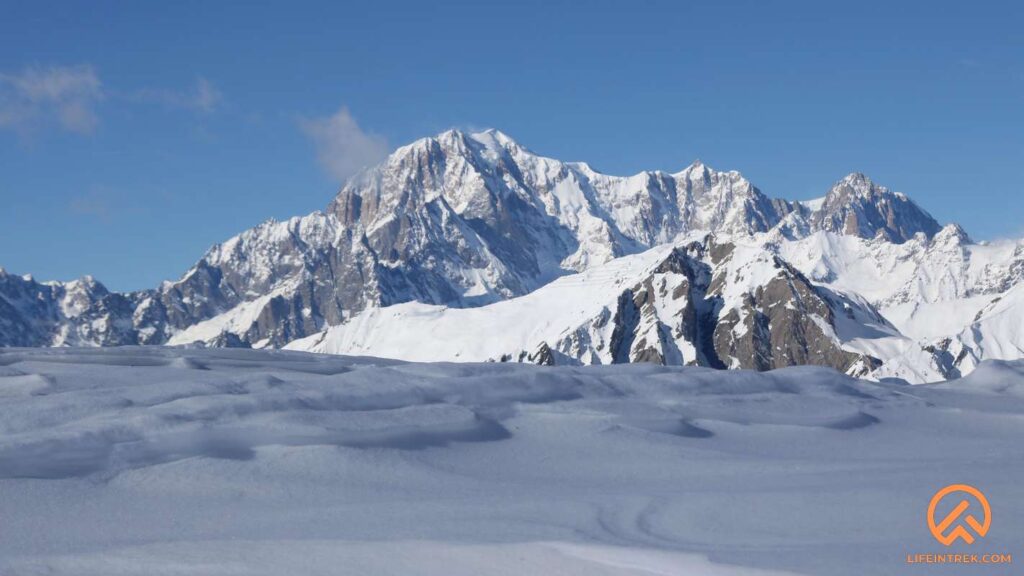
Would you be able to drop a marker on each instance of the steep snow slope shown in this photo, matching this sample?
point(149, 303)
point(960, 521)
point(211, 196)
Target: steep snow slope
point(996, 332)
point(904, 280)
point(425, 332)
point(198, 462)
point(934, 291)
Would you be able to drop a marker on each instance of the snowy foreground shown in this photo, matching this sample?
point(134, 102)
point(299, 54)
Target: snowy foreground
point(170, 461)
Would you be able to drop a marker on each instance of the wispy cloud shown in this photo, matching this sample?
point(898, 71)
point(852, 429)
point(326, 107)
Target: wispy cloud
point(342, 147)
point(67, 97)
point(105, 204)
point(202, 97)
point(37, 96)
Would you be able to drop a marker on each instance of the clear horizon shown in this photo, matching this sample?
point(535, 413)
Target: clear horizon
point(133, 137)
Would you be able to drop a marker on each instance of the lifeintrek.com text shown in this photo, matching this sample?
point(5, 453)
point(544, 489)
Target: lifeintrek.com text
point(959, 558)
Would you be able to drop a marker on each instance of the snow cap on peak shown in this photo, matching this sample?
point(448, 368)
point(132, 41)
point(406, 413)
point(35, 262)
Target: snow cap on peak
point(482, 136)
point(856, 183)
point(460, 141)
point(451, 137)
point(493, 133)
point(87, 283)
point(857, 180)
point(856, 177)
point(952, 233)
point(863, 185)
point(450, 133)
point(493, 139)
point(584, 167)
point(697, 167)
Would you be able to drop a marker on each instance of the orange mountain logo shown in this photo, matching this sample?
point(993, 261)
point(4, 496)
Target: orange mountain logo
point(956, 524)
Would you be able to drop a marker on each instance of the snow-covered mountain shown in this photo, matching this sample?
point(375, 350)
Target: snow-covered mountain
point(465, 221)
point(77, 313)
point(922, 311)
point(702, 302)
point(856, 206)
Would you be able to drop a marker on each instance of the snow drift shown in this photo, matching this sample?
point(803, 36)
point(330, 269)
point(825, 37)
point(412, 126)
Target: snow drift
point(158, 460)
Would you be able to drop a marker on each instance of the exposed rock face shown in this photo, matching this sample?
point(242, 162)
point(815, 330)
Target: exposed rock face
point(706, 305)
point(662, 318)
point(81, 312)
point(785, 321)
point(856, 206)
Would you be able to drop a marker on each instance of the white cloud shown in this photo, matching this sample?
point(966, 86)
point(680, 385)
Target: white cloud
point(342, 147)
point(67, 95)
point(203, 97)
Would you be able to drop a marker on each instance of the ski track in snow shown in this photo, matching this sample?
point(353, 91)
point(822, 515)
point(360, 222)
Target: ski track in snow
point(174, 461)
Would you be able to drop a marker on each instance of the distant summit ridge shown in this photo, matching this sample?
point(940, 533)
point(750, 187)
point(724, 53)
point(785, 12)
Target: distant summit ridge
point(461, 219)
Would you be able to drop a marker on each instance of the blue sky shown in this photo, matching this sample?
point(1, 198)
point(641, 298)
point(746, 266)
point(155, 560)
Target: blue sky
point(134, 135)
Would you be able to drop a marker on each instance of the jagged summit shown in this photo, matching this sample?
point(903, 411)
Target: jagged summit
point(952, 233)
point(696, 165)
point(856, 179)
point(857, 206)
point(696, 168)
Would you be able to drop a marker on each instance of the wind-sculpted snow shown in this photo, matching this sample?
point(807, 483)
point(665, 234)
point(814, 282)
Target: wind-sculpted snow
point(62, 422)
point(159, 460)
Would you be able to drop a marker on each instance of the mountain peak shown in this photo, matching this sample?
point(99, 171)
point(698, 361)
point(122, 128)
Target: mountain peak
point(697, 168)
point(469, 217)
point(452, 135)
point(952, 233)
point(855, 184)
point(857, 177)
point(492, 133)
point(459, 142)
point(857, 206)
point(495, 140)
point(483, 136)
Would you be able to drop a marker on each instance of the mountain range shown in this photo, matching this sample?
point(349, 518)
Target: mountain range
point(468, 246)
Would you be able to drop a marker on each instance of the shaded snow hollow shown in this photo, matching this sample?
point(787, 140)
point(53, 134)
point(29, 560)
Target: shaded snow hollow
point(172, 461)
